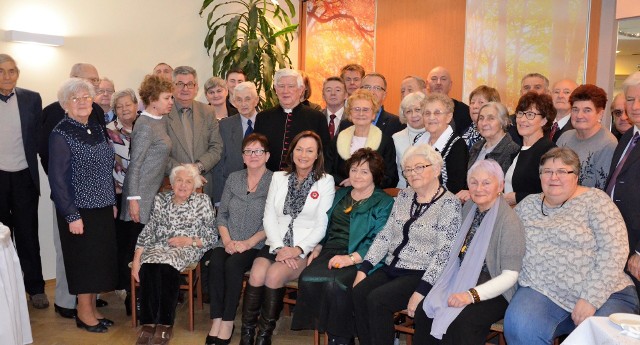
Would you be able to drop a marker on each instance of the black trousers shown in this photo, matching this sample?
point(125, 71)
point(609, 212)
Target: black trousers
point(126, 237)
point(375, 299)
point(159, 288)
point(471, 327)
point(225, 281)
point(19, 199)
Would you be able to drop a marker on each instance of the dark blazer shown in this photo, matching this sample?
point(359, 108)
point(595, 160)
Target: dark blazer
point(455, 155)
point(231, 109)
point(461, 117)
point(51, 115)
point(503, 153)
point(626, 194)
point(526, 178)
point(231, 158)
point(559, 132)
point(388, 123)
point(30, 109)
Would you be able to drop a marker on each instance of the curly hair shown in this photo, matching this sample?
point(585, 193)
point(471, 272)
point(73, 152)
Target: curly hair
point(152, 86)
point(589, 92)
point(357, 95)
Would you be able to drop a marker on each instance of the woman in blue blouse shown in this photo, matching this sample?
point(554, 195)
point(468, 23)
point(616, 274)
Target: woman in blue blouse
point(80, 169)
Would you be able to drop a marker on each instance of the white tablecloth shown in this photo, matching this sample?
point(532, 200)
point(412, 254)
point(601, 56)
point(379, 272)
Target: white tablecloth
point(598, 330)
point(15, 328)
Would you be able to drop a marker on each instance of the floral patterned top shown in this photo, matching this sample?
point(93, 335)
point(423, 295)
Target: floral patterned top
point(192, 218)
point(120, 139)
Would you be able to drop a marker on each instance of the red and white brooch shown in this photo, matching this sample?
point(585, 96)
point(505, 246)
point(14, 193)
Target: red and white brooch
point(314, 195)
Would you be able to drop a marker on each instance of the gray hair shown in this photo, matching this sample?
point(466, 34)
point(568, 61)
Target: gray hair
point(565, 155)
point(76, 69)
point(407, 101)
point(421, 82)
point(215, 82)
point(374, 74)
point(288, 72)
point(501, 110)
point(123, 93)
point(73, 86)
point(536, 75)
point(438, 97)
point(7, 58)
point(632, 80)
point(488, 165)
point(107, 80)
point(246, 85)
point(426, 151)
point(191, 170)
point(185, 70)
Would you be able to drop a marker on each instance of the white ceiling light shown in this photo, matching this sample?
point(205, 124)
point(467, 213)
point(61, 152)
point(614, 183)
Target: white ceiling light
point(30, 37)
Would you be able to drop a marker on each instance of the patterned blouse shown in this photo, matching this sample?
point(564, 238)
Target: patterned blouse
point(191, 218)
point(471, 135)
point(120, 139)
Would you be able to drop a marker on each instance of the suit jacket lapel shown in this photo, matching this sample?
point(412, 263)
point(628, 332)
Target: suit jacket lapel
point(199, 130)
point(23, 110)
point(633, 157)
point(178, 130)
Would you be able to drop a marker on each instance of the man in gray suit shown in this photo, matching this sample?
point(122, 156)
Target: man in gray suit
point(193, 128)
point(233, 129)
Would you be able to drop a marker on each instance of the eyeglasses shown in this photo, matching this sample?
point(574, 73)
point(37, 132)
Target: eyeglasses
point(104, 91)
point(373, 88)
point(530, 115)
point(560, 173)
point(436, 113)
point(359, 110)
point(617, 112)
point(190, 85)
point(418, 169)
point(258, 152)
point(81, 99)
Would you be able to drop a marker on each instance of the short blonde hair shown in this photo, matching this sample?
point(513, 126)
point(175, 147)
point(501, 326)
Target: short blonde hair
point(438, 97)
point(426, 151)
point(408, 100)
point(191, 170)
point(357, 95)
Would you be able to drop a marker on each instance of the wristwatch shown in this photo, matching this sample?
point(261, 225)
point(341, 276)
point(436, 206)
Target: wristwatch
point(200, 167)
point(194, 242)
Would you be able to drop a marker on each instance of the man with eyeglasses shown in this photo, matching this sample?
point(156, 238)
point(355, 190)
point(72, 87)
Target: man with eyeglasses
point(412, 83)
point(621, 122)
point(439, 81)
point(388, 123)
point(193, 128)
point(560, 93)
point(352, 74)
point(65, 303)
point(105, 90)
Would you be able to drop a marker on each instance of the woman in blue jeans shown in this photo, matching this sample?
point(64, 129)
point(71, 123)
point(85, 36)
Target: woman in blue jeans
point(576, 250)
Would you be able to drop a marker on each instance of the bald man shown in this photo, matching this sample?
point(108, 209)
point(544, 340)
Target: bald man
point(439, 81)
point(560, 93)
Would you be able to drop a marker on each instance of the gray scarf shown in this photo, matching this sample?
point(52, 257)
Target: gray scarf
point(294, 202)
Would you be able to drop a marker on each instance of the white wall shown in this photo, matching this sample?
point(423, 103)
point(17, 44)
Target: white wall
point(124, 39)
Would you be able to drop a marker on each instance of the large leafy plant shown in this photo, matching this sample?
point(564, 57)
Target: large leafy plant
point(257, 39)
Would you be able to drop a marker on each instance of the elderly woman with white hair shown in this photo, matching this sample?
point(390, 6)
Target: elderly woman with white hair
point(80, 169)
point(179, 232)
point(216, 92)
point(411, 115)
point(480, 277)
point(409, 254)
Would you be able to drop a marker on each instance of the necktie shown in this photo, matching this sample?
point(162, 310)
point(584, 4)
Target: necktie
point(332, 126)
point(554, 128)
point(249, 129)
point(5, 98)
point(188, 131)
point(614, 177)
point(286, 140)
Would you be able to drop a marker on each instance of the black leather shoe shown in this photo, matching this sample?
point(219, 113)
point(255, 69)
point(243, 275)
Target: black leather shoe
point(98, 328)
point(106, 322)
point(101, 303)
point(65, 312)
point(211, 340)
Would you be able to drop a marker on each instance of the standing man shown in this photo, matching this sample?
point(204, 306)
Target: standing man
point(624, 174)
point(532, 82)
point(352, 74)
point(105, 90)
point(193, 128)
point(21, 110)
point(283, 122)
point(560, 94)
point(334, 93)
point(439, 81)
point(235, 76)
point(411, 84)
point(163, 70)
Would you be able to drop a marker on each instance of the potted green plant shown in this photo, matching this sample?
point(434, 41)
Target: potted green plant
point(257, 39)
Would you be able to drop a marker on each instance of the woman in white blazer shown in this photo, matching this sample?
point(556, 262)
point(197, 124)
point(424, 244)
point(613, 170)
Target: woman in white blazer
point(295, 220)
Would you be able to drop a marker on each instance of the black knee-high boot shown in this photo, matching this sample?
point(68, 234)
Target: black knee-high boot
point(250, 308)
point(269, 314)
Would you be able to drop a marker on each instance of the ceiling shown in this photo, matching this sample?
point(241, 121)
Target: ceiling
point(629, 45)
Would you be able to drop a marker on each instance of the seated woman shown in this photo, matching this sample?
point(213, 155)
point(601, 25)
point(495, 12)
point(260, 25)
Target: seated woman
point(410, 249)
point(411, 115)
point(361, 111)
point(358, 213)
point(576, 251)
point(593, 143)
point(480, 96)
point(474, 290)
point(534, 116)
point(241, 235)
point(179, 232)
point(295, 220)
point(493, 122)
point(437, 111)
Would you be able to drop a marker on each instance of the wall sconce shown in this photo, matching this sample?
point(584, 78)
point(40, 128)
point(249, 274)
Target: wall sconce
point(30, 37)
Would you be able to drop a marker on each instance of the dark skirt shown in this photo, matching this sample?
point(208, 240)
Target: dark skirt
point(90, 259)
point(264, 253)
point(324, 297)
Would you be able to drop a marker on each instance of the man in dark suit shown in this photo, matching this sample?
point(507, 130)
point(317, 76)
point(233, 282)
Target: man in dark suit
point(624, 176)
point(283, 122)
point(235, 76)
point(439, 81)
point(21, 110)
point(334, 93)
point(560, 93)
point(352, 75)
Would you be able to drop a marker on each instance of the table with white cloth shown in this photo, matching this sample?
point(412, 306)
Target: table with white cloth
point(599, 330)
point(15, 328)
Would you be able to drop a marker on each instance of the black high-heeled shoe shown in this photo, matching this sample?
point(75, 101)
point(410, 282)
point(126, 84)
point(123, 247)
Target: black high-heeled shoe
point(98, 328)
point(211, 340)
point(106, 322)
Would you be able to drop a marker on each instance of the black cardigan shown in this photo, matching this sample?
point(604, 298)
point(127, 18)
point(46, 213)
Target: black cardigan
point(526, 176)
point(455, 155)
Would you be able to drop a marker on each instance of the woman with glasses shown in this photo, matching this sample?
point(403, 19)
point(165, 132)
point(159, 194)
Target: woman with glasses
point(592, 142)
point(619, 117)
point(361, 111)
point(411, 115)
point(575, 253)
point(241, 234)
point(409, 254)
point(534, 116)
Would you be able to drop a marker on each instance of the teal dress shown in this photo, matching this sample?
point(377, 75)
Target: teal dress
point(324, 296)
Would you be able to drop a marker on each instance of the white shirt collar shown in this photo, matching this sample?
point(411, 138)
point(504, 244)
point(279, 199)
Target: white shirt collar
point(338, 115)
point(443, 139)
point(563, 122)
point(145, 113)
